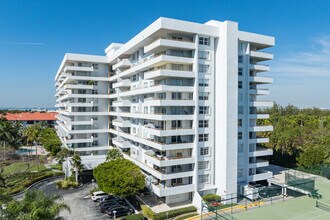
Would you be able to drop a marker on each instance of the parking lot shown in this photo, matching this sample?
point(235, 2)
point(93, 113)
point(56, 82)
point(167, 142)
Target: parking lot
point(81, 208)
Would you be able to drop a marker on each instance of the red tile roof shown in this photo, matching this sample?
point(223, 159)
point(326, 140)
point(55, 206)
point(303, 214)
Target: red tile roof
point(31, 116)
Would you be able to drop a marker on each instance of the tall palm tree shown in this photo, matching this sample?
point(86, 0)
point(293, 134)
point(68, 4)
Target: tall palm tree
point(77, 165)
point(33, 135)
point(35, 206)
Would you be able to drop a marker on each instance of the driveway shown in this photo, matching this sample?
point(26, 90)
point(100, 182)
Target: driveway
point(81, 209)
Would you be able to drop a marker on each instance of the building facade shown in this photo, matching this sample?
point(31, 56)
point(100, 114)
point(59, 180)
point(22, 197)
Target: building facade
point(183, 100)
point(82, 92)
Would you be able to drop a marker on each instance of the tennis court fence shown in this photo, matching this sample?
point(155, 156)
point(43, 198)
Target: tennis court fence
point(322, 205)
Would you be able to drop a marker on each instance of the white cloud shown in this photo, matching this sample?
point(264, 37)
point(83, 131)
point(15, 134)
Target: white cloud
point(309, 63)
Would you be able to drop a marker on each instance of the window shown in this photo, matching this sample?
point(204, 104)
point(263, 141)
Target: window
point(203, 178)
point(240, 148)
point(204, 41)
point(95, 135)
point(161, 96)
point(95, 66)
point(203, 137)
point(202, 165)
point(240, 122)
point(203, 82)
point(204, 55)
point(203, 96)
point(240, 84)
point(240, 135)
point(177, 66)
point(176, 95)
point(240, 59)
point(203, 123)
point(203, 151)
point(134, 78)
point(239, 173)
point(240, 71)
point(204, 110)
point(202, 68)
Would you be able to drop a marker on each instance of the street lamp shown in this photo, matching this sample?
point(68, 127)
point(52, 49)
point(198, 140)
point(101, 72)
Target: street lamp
point(114, 214)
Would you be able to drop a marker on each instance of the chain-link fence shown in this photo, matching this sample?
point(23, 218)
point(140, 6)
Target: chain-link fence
point(295, 185)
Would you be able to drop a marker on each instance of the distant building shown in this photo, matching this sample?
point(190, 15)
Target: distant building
point(30, 118)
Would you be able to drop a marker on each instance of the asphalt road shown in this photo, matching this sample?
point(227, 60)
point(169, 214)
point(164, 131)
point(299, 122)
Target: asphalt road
point(81, 209)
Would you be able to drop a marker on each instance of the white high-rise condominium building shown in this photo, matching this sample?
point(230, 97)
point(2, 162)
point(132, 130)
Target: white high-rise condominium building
point(82, 91)
point(183, 106)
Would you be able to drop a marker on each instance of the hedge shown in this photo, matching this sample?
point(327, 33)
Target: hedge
point(134, 217)
point(168, 214)
point(211, 198)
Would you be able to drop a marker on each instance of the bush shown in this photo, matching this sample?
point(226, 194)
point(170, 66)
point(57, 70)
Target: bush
point(174, 213)
point(164, 215)
point(212, 198)
point(134, 217)
point(31, 179)
point(66, 184)
point(148, 212)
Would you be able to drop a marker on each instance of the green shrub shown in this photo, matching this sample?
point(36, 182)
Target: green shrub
point(174, 213)
point(148, 212)
point(212, 198)
point(66, 184)
point(187, 216)
point(134, 217)
point(164, 215)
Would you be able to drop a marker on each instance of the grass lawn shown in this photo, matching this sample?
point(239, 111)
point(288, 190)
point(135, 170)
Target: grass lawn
point(293, 209)
point(16, 167)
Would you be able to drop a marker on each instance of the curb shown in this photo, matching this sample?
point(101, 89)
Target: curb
point(48, 179)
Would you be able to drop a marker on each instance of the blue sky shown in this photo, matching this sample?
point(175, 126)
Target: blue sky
point(35, 34)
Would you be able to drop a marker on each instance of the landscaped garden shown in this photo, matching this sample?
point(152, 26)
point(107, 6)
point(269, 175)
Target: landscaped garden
point(18, 171)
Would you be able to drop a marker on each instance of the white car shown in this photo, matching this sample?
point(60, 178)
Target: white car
point(98, 195)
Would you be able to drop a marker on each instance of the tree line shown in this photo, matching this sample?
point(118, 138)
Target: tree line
point(301, 137)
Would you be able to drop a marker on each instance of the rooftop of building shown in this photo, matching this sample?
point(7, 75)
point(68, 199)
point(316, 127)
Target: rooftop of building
point(31, 116)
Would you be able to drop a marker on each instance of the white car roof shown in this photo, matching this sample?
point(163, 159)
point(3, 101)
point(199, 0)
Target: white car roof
point(98, 192)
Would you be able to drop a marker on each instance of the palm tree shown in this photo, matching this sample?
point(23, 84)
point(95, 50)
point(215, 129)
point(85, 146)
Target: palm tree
point(35, 206)
point(77, 166)
point(33, 135)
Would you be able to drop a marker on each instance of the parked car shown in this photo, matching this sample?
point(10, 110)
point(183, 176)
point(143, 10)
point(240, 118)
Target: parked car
point(120, 211)
point(98, 195)
point(108, 198)
point(103, 206)
point(270, 191)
